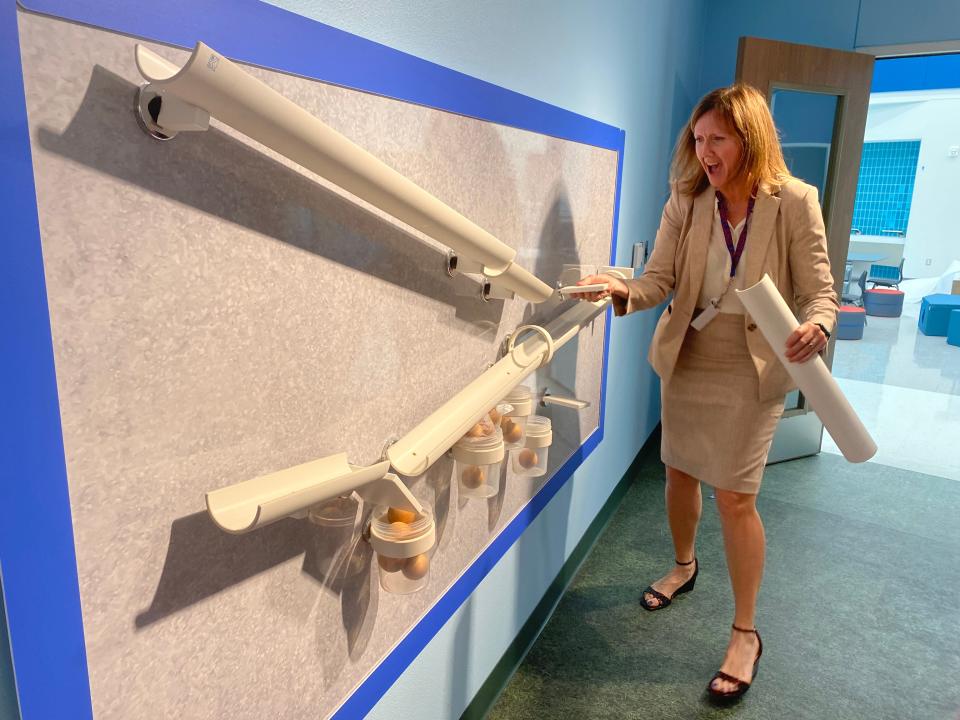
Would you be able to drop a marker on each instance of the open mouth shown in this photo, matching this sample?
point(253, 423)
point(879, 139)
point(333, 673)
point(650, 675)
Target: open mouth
point(712, 168)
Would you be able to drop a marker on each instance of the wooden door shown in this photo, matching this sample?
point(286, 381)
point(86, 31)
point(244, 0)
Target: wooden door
point(819, 99)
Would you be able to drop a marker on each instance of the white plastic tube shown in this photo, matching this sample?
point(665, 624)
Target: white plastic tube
point(211, 82)
point(425, 444)
point(254, 503)
point(776, 322)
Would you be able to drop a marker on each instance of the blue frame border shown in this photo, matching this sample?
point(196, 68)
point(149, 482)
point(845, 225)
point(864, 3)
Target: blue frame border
point(39, 566)
point(41, 588)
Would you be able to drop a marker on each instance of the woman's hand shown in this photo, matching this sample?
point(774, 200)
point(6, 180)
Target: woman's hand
point(615, 286)
point(805, 342)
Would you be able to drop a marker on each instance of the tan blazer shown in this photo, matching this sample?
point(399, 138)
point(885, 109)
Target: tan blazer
point(786, 240)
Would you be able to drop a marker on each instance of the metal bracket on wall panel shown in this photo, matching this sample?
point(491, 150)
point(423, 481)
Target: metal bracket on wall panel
point(457, 264)
point(502, 350)
point(163, 116)
point(146, 106)
point(573, 403)
point(489, 292)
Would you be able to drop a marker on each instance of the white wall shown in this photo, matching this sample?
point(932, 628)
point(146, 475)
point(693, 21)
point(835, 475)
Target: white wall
point(933, 117)
point(631, 63)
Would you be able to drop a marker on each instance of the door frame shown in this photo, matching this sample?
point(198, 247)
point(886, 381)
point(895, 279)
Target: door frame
point(771, 65)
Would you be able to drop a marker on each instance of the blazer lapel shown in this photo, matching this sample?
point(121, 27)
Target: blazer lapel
point(701, 229)
point(759, 234)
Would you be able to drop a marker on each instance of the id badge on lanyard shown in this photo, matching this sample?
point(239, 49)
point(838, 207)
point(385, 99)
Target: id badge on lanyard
point(707, 314)
point(713, 309)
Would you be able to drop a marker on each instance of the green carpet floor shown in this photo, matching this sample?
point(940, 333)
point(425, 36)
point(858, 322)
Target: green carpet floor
point(859, 610)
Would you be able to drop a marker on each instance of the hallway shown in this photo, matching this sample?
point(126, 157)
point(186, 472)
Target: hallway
point(859, 610)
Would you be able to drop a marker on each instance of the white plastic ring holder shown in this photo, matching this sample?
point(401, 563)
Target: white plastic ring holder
point(511, 343)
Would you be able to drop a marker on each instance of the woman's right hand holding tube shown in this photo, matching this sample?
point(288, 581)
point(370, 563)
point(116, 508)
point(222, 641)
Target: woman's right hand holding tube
point(615, 286)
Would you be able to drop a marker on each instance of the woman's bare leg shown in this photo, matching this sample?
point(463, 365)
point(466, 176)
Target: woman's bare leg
point(744, 544)
point(684, 503)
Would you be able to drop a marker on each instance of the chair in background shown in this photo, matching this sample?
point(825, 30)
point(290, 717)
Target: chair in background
point(846, 293)
point(862, 284)
point(886, 275)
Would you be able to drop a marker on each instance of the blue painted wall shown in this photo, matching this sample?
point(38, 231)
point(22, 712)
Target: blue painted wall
point(895, 22)
point(828, 23)
point(841, 24)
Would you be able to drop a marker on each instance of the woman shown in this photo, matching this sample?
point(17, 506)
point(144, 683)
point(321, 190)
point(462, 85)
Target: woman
point(734, 214)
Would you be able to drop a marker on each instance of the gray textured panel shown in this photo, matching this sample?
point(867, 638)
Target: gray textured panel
point(218, 313)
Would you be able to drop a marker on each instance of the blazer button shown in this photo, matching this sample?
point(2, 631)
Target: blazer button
point(751, 327)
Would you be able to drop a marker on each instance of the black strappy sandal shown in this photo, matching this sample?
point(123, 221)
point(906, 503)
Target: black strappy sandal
point(664, 600)
point(741, 686)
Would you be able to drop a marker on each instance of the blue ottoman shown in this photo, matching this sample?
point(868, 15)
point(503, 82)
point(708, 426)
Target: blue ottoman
point(850, 322)
point(883, 302)
point(935, 313)
point(953, 328)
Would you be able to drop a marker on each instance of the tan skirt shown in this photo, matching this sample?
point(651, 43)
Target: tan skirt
point(714, 426)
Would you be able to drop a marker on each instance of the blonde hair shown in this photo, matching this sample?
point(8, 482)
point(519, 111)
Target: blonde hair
point(745, 110)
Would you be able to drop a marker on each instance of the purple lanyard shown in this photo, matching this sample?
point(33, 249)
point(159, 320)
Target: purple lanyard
point(735, 253)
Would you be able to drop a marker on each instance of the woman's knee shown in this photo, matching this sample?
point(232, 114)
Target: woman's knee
point(735, 504)
point(680, 479)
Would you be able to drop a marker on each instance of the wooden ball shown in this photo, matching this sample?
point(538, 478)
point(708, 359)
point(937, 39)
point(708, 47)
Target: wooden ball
point(476, 431)
point(416, 567)
point(513, 433)
point(389, 564)
point(472, 477)
point(399, 529)
point(395, 515)
point(528, 458)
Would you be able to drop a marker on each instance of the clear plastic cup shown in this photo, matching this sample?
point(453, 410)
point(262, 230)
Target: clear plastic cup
point(332, 548)
point(514, 422)
point(477, 466)
point(531, 459)
point(496, 414)
point(402, 548)
point(338, 512)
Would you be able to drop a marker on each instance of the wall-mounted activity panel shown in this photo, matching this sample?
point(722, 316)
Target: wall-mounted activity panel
point(227, 324)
